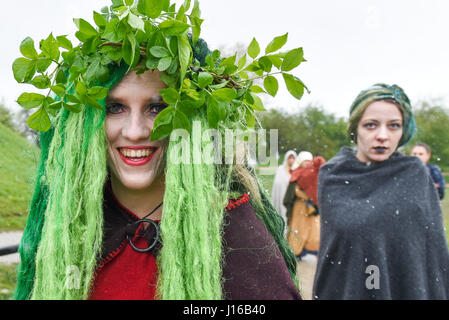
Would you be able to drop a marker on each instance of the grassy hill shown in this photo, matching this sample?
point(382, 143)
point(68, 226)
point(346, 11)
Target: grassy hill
point(18, 164)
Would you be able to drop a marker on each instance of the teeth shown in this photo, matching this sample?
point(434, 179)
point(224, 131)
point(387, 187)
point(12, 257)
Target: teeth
point(143, 153)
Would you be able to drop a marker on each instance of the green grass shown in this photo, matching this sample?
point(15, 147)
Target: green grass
point(7, 280)
point(18, 163)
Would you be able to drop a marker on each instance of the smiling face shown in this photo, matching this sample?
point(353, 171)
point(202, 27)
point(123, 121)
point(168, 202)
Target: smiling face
point(131, 108)
point(379, 131)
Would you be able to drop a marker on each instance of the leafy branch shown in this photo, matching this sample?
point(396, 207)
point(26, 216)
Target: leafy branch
point(149, 35)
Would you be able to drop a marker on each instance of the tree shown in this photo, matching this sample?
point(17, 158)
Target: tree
point(22, 127)
point(431, 122)
point(311, 129)
point(6, 117)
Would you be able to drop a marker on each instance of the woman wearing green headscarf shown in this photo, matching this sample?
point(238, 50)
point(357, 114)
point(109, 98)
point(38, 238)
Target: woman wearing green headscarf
point(117, 213)
point(382, 233)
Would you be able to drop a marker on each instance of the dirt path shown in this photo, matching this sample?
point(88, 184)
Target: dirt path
point(8, 239)
point(306, 273)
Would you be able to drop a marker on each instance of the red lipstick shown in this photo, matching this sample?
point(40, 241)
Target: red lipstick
point(141, 160)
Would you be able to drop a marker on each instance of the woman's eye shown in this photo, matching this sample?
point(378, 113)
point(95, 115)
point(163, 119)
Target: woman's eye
point(396, 125)
point(369, 125)
point(114, 108)
point(155, 108)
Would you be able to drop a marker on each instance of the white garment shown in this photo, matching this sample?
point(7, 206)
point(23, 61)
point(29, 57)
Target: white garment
point(280, 184)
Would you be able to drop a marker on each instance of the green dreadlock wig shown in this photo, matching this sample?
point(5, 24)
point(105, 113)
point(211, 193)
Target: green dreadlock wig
point(65, 223)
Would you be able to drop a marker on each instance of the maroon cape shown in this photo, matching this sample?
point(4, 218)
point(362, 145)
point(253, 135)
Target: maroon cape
point(254, 268)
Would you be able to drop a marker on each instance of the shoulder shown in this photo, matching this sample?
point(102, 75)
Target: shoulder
point(254, 267)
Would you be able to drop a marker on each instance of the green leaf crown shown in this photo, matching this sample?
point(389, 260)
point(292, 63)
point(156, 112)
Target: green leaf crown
point(153, 34)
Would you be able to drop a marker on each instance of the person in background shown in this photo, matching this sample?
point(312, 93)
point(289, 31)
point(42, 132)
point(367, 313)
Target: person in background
point(280, 184)
point(382, 233)
point(423, 152)
point(303, 233)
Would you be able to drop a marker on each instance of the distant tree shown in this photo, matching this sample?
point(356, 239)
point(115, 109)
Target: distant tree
point(20, 120)
point(311, 128)
point(432, 120)
point(6, 117)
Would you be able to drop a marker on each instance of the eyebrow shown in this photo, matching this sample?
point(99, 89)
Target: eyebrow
point(154, 99)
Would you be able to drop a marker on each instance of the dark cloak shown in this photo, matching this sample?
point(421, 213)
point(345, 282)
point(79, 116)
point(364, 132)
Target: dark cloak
point(383, 215)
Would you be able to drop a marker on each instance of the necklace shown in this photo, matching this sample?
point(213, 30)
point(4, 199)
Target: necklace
point(152, 223)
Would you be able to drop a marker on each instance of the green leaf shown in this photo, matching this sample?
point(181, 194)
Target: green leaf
point(85, 27)
point(93, 103)
point(258, 104)
point(257, 89)
point(129, 50)
point(129, 3)
point(186, 5)
point(161, 132)
point(39, 120)
point(115, 53)
point(63, 42)
point(276, 44)
point(54, 107)
point(30, 100)
point(275, 60)
point(213, 112)
point(292, 59)
point(61, 77)
point(98, 93)
point(96, 72)
point(135, 22)
point(271, 85)
point(265, 63)
point(164, 63)
point(50, 48)
point(164, 117)
point(180, 121)
point(170, 95)
point(81, 89)
point(242, 62)
point(151, 8)
point(27, 48)
point(173, 27)
point(205, 79)
point(42, 63)
point(294, 85)
point(253, 49)
point(250, 118)
point(100, 20)
point(196, 28)
point(72, 106)
point(23, 69)
point(184, 51)
point(227, 94)
point(41, 82)
point(159, 52)
point(58, 89)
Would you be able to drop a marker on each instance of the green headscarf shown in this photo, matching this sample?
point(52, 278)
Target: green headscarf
point(381, 91)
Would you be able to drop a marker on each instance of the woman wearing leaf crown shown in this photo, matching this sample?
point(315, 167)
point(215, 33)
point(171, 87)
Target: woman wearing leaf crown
point(114, 214)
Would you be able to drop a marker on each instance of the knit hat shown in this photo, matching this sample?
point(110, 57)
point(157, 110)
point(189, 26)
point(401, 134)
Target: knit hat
point(302, 156)
point(378, 92)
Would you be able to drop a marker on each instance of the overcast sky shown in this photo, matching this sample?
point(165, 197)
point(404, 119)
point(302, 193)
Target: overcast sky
point(348, 44)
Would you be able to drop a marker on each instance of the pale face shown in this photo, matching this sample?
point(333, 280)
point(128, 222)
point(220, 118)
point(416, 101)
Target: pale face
point(290, 160)
point(421, 153)
point(132, 105)
point(379, 132)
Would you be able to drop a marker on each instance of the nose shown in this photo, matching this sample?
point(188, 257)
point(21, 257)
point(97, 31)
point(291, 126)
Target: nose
point(382, 133)
point(136, 128)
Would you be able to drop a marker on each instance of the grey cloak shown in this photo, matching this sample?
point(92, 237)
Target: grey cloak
point(382, 233)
